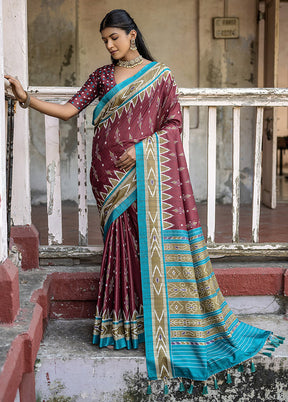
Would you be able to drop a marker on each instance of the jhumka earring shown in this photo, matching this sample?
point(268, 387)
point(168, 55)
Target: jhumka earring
point(133, 45)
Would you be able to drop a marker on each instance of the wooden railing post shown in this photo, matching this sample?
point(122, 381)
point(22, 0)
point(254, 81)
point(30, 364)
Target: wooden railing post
point(211, 171)
point(186, 132)
point(82, 180)
point(54, 208)
point(236, 175)
point(257, 175)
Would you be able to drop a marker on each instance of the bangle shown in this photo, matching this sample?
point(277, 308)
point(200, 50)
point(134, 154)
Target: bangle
point(25, 104)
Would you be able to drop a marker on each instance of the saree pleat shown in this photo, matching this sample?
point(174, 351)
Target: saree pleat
point(119, 311)
point(190, 330)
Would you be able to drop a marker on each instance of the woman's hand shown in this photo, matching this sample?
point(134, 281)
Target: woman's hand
point(17, 88)
point(63, 112)
point(128, 159)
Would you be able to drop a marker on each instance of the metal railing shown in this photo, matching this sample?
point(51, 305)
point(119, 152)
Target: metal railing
point(211, 98)
point(9, 159)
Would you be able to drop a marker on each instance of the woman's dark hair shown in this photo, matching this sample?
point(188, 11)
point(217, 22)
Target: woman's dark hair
point(121, 19)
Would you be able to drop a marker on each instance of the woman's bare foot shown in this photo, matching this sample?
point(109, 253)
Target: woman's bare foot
point(111, 347)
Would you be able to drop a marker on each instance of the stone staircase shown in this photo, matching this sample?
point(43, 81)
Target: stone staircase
point(68, 368)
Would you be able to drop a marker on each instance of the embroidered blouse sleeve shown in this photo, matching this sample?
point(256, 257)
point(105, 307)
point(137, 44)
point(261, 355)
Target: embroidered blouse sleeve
point(88, 92)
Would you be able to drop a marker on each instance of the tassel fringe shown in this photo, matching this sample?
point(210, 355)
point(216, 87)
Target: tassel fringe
point(241, 368)
point(166, 389)
point(181, 386)
point(149, 389)
point(273, 342)
point(228, 379)
point(205, 389)
point(190, 389)
point(215, 382)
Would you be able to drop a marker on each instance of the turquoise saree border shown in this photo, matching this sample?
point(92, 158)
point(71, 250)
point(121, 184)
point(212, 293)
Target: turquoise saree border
point(163, 252)
point(122, 207)
point(118, 87)
point(145, 278)
point(119, 184)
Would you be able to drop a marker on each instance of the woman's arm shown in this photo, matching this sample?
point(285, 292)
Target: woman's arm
point(63, 112)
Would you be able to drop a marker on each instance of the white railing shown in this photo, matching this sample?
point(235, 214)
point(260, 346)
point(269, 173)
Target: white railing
point(212, 98)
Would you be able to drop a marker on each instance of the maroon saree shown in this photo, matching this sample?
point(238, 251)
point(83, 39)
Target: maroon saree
point(156, 272)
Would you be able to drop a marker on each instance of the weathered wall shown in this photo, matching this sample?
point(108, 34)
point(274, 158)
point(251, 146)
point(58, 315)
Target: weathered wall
point(225, 63)
point(282, 115)
point(52, 32)
point(65, 46)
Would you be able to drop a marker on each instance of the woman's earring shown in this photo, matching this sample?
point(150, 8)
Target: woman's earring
point(133, 45)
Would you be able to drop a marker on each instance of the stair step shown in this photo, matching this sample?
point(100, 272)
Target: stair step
point(69, 366)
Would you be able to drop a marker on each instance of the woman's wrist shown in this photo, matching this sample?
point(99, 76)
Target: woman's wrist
point(26, 103)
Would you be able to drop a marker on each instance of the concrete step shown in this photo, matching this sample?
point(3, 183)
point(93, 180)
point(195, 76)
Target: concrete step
point(61, 292)
point(69, 366)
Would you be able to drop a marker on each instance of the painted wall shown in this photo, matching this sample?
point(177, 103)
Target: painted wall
point(282, 115)
point(65, 46)
point(53, 52)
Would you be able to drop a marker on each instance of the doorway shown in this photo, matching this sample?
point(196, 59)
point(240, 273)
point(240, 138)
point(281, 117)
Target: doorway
point(273, 72)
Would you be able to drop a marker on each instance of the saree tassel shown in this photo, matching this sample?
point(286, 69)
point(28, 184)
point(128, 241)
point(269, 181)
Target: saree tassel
point(252, 368)
point(205, 389)
point(228, 379)
point(282, 338)
point(166, 389)
point(272, 343)
point(149, 389)
point(272, 349)
point(181, 386)
point(266, 354)
point(215, 382)
point(190, 389)
point(275, 342)
point(241, 368)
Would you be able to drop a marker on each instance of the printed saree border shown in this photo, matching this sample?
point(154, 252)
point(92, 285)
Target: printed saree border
point(127, 93)
point(158, 352)
point(120, 198)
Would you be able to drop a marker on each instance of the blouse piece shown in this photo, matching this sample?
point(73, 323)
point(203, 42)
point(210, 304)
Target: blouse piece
point(98, 84)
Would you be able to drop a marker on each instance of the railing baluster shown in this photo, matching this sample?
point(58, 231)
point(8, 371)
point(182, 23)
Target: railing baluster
point(236, 175)
point(186, 132)
point(54, 209)
point(82, 180)
point(257, 175)
point(211, 170)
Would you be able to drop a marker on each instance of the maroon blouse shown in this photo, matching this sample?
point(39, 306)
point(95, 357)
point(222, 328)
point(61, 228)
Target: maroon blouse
point(98, 84)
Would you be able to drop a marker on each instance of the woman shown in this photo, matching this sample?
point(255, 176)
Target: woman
point(154, 258)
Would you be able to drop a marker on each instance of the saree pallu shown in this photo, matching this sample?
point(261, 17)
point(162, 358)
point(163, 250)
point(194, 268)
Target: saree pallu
point(189, 329)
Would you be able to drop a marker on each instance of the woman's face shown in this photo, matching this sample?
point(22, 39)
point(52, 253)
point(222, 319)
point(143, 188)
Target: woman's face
point(117, 42)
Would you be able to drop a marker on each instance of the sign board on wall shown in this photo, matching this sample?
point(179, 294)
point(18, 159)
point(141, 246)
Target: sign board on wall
point(226, 28)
